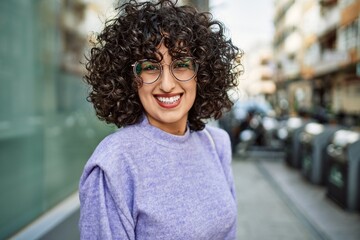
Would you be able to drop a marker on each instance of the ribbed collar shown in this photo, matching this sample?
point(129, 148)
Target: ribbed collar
point(161, 137)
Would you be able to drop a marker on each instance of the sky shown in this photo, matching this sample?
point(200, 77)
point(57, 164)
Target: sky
point(248, 21)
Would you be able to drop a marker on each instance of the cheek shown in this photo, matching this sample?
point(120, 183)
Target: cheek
point(143, 96)
point(193, 90)
point(144, 92)
point(193, 94)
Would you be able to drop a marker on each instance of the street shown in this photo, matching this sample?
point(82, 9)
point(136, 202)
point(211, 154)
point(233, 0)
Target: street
point(275, 202)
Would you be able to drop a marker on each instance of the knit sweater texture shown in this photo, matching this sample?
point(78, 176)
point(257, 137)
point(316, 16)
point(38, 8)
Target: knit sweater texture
point(143, 183)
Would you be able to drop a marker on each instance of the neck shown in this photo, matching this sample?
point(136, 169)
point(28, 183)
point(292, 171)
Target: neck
point(172, 128)
point(175, 130)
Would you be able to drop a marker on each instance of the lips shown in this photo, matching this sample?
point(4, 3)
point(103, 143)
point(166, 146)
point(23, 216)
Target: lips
point(168, 100)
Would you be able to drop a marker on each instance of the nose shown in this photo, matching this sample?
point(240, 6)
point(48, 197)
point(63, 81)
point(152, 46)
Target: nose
point(167, 80)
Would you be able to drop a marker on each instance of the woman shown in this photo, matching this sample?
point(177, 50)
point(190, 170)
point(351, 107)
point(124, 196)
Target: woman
point(158, 72)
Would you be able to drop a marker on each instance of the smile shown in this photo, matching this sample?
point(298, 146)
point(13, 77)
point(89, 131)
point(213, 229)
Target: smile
point(168, 101)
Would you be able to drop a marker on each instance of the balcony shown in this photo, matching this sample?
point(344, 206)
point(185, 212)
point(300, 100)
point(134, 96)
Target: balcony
point(327, 3)
point(291, 69)
point(331, 60)
point(349, 13)
point(329, 20)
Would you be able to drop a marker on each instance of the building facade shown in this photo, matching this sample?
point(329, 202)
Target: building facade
point(47, 128)
point(318, 60)
point(201, 5)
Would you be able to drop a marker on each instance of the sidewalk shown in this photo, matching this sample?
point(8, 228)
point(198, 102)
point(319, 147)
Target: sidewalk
point(262, 214)
point(276, 203)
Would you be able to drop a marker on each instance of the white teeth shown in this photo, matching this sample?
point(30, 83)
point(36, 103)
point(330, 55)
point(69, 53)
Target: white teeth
point(169, 100)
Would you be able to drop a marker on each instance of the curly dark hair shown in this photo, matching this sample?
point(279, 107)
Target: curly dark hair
point(134, 34)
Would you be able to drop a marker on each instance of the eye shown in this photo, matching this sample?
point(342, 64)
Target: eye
point(149, 66)
point(185, 63)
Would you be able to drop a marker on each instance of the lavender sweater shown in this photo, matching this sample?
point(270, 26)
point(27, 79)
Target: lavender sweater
point(143, 183)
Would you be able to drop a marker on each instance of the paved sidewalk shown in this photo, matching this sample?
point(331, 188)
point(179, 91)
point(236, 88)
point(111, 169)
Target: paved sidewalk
point(276, 203)
point(309, 201)
point(263, 214)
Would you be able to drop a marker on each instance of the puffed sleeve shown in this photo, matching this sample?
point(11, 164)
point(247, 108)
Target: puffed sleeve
point(102, 215)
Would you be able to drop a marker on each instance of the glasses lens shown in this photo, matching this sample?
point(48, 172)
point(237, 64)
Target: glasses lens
point(147, 70)
point(184, 69)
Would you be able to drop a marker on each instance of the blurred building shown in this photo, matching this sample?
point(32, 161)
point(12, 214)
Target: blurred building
point(47, 128)
point(259, 72)
point(201, 5)
point(317, 55)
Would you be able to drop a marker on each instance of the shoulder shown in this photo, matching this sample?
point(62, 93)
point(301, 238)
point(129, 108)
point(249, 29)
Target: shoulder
point(114, 147)
point(218, 134)
point(120, 138)
point(222, 142)
point(112, 157)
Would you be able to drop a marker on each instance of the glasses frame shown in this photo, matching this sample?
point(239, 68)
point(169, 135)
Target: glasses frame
point(161, 69)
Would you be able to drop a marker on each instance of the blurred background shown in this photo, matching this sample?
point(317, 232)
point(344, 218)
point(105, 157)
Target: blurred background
point(298, 98)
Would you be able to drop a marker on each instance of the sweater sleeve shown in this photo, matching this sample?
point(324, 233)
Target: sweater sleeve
point(100, 215)
point(223, 148)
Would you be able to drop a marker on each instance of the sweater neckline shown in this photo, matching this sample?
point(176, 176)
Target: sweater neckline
point(161, 137)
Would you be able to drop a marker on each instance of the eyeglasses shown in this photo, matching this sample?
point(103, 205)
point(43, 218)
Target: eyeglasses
point(149, 71)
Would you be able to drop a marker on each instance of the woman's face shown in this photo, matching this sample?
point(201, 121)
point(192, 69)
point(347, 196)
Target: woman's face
point(168, 101)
